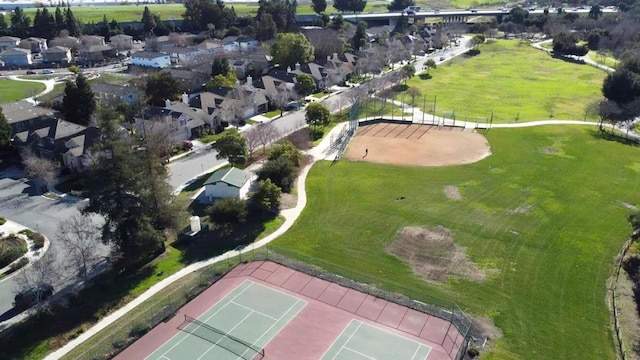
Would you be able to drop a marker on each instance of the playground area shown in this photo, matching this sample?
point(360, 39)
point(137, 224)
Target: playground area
point(263, 310)
point(413, 144)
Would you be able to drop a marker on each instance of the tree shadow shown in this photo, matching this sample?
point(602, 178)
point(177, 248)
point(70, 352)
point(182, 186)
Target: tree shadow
point(472, 53)
point(425, 76)
point(220, 238)
point(609, 136)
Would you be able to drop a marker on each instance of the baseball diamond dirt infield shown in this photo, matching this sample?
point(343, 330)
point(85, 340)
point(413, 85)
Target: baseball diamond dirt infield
point(414, 144)
point(263, 310)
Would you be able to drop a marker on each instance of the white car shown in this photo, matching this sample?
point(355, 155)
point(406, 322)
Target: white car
point(47, 71)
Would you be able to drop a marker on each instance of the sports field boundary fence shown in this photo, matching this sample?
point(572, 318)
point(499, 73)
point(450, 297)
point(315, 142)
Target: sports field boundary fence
point(622, 351)
point(165, 305)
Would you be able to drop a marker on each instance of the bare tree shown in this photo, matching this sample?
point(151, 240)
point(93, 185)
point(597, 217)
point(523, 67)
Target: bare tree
point(355, 94)
point(81, 237)
point(253, 140)
point(42, 273)
point(267, 133)
point(42, 171)
point(282, 97)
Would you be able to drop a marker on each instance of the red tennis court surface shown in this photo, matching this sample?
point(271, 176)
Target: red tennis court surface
point(317, 329)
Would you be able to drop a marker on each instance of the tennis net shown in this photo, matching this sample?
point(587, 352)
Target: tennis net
point(218, 337)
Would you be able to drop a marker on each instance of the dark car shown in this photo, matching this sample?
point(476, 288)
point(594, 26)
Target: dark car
point(32, 296)
point(31, 72)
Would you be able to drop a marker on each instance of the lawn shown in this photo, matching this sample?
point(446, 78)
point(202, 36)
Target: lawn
point(514, 81)
point(12, 90)
point(552, 260)
point(606, 59)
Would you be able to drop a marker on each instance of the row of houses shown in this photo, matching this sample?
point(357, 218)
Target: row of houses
point(62, 49)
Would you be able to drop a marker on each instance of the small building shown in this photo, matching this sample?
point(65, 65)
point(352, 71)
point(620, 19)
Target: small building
point(8, 42)
point(36, 45)
point(122, 42)
point(56, 55)
point(228, 183)
point(181, 55)
point(91, 40)
point(150, 59)
point(66, 41)
point(16, 57)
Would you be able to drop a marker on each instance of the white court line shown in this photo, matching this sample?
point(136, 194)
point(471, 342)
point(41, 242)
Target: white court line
point(416, 353)
point(398, 335)
point(358, 352)
point(257, 312)
point(217, 311)
point(216, 343)
point(349, 339)
point(274, 324)
point(339, 336)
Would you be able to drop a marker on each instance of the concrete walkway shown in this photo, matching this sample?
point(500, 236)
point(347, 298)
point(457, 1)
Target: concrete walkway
point(585, 58)
point(49, 84)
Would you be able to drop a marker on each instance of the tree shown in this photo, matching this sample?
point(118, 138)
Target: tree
point(127, 186)
point(399, 5)
point(266, 28)
point(44, 24)
point(305, 85)
point(477, 40)
point(317, 115)
point(42, 273)
point(201, 13)
point(282, 97)
point(71, 23)
point(430, 64)
point(148, 20)
point(281, 172)
point(162, 86)
point(359, 36)
point(267, 198)
point(42, 171)
point(622, 86)
point(286, 150)
point(319, 6)
point(566, 43)
point(261, 134)
point(59, 18)
point(233, 147)
point(292, 48)
point(228, 211)
point(407, 72)
point(228, 80)
point(349, 5)
point(20, 23)
point(78, 103)
point(220, 66)
point(595, 12)
point(3, 24)
point(6, 133)
point(81, 238)
point(282, 12)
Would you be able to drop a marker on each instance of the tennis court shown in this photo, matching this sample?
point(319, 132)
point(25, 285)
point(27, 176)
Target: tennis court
point(361, 341)
point(237, 327)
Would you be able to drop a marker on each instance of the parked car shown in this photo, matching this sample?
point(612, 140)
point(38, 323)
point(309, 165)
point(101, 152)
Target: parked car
point(47, 71)
point(32, 296)
point(31, 72)
point(294, 106)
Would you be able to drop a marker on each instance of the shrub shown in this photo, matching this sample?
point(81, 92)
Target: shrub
point(2, 220)
point(17, 265)
point(227, 211)
point(11, 248)
point(286, 150)
point(37, 238)
point(138, 330)
point(281, 172)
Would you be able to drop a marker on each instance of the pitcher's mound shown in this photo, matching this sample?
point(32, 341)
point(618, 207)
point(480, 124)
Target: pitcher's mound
point(412, 144)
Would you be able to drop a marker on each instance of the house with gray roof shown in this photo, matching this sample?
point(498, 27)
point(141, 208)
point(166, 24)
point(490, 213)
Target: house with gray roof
point(150, 59)
point(56, 55)
point(113, 95)
point(36, 45)
point(8, 42)
point(65, 40)
point(177, 121)
point(228, 183)
point(16, 57)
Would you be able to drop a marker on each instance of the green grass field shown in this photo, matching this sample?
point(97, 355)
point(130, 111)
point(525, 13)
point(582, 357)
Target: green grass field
point(515, 81)
point(11, 90)
point(553, 260)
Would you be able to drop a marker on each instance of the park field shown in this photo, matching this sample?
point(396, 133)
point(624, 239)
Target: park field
point(545, 215)
point(11, 90)
point(514, 81)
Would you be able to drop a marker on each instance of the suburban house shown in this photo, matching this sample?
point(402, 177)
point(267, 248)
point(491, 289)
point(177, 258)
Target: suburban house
point(96, 53)
point(56, 55)
point(159, 43)
point(228, 183)
point(317, 72)
point(179, 121)
point(247, 44)
point(216, 101)
point(16, 57)
point(36, 45)
point(275, 81)
point(37, 129)
point(192, 81)
point(8, 42)
point(89, 40)
point(338, 68)
point(65, 40)
point(121, 42)
point(181, 55)
point(150, 59)
point(210, 47)
point(110, 94)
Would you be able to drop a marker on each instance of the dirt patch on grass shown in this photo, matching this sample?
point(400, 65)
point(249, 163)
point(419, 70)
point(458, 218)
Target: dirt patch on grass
point(432, 254)
point(549, 150)
point(522, 209)
point(452, 193)
point(484, 333)
point(288, 201)
point(629, 206)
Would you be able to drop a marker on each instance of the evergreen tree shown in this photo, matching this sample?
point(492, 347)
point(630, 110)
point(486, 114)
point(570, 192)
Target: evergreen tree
point(5, 131)
point(103, 28)
point(70, 22)
point(360, 35)
point(59, 18)
point(148, 20)
point(319, 6)
point(20, 23)
point(4, 27)
point(267, 28)
point(160, 87)
point(44, 25)
point(220, 66)
point(292, 48)
point(78, 103)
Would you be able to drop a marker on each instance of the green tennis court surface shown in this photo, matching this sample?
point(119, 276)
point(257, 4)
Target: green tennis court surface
point(360, 341)
point(251, 315)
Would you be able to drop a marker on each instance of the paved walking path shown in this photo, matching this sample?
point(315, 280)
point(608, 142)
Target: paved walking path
point(49, 84)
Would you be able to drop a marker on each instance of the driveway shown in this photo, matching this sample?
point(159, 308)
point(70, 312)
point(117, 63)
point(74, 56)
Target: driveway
point(21, 204)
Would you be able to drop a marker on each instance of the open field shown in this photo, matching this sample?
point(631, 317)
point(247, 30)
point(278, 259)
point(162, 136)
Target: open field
point(515, 81)
point(11, 90)
point(546, 213)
